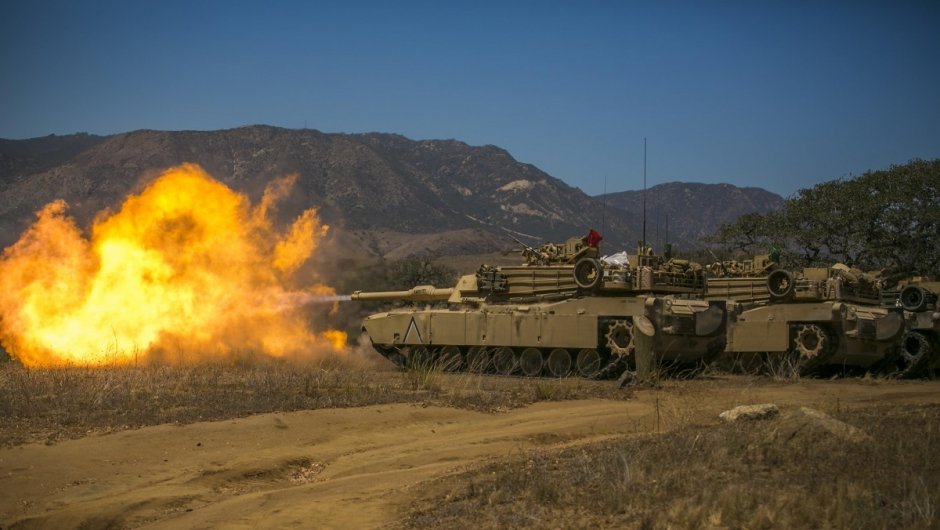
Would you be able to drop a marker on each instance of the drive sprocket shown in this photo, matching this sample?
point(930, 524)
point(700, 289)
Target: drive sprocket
point(620, 337)
point(811, 342)
point(916, 354)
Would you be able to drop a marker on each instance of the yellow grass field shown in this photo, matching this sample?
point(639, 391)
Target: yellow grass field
point(265, 444)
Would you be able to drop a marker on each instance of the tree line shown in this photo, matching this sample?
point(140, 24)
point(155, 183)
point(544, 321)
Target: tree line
point(886, 220)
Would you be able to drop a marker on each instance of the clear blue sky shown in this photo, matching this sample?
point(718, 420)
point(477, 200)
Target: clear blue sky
point(780, 95)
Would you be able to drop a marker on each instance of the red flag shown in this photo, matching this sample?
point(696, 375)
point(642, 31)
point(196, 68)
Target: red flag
point(593, 238)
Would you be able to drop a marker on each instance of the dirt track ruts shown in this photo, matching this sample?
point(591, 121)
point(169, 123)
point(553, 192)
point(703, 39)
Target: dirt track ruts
point(349, 468)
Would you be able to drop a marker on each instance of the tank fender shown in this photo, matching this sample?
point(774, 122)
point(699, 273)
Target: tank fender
point(645, 333)
point(711, 320)
point(889, 327)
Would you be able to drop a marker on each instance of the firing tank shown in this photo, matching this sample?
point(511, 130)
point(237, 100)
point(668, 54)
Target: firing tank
point(809, 320)
point(565, 310)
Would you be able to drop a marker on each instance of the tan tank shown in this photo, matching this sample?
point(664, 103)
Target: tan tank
point(562, 311)
point(565, 310)
point(808, 320)
point(919, 352)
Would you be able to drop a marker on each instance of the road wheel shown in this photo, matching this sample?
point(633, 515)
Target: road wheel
point(588, 363)
point(479, 359)
point(559, 362)
point(450, 359)
point(419, 357)
point(504, 360)
point(531, 362)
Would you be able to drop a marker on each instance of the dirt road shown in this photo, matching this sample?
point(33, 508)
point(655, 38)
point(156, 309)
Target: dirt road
point(349, 468)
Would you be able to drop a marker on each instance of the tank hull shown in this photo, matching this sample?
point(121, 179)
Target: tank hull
point(580, 328)
point(815, 335)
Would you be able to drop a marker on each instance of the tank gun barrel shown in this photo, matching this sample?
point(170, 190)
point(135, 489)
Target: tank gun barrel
point(421, 293)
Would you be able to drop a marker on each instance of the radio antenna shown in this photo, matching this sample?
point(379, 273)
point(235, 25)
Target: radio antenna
point(644, 195)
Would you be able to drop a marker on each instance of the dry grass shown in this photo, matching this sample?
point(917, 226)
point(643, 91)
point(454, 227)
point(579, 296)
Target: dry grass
point(59, 403)
point(739, 476)
point(693, 476)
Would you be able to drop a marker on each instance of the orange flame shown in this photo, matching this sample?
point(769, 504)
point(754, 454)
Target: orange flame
point(185, 270)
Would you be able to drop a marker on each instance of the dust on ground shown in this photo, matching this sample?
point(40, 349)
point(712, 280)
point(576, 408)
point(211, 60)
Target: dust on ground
point(355, 467)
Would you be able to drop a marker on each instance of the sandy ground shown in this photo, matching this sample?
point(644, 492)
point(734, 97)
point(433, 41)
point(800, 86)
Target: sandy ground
point(349, 468)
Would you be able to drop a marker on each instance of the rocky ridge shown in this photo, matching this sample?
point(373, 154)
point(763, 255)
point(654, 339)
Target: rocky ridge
point(384, 192)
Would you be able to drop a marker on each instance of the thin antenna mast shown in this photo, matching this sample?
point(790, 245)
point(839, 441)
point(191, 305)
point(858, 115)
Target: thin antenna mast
point(644, 195)
point(604, 211)
point(659, 218)
point(667, 228)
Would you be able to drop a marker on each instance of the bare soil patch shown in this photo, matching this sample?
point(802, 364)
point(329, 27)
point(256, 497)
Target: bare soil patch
point(372, 448)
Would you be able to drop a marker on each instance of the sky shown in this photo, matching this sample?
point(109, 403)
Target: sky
point(778, 94)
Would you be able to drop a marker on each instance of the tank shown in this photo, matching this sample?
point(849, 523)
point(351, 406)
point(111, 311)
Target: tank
point(563, 311)
point(807, 321)
point(919, 352)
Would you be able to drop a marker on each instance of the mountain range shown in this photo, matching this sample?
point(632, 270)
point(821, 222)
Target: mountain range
point(385, 195)
point(687, 212)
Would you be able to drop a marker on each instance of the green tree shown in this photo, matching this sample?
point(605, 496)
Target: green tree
point(752, 233)
point(830, 222)
point(743, 236)
point(887, 219)
point(419, 270)
point(906, 224)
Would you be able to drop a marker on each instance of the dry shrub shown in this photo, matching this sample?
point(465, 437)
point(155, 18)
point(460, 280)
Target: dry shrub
point(737, 476)
point(57, 403)
point(67, 402)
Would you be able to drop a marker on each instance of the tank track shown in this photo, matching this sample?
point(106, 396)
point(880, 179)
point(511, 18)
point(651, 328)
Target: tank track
point(925, 352)
point(611, 370)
